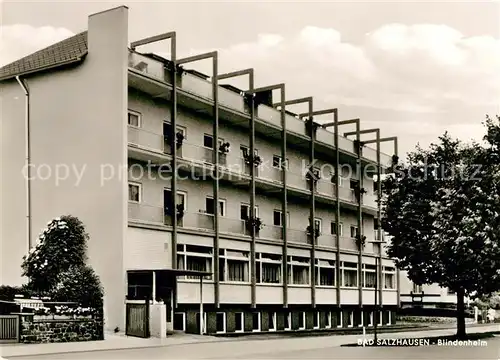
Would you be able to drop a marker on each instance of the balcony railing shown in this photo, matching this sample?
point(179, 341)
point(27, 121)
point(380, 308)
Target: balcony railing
point(145, 139)
point(326, 240)
point(325, 187)
point(146, 65)
point(298, 236)
point(146, 213)
point(271, 232)
point(347, 194)
point(203, 88)
point(370, 200)
point(232, 226)
point(198, 220)
point(297, 181)
point(348, 243)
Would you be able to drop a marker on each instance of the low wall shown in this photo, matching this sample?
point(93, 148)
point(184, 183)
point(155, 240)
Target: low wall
point(64, 330)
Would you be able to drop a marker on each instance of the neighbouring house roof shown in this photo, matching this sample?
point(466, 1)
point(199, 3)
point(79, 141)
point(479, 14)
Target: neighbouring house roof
point(67, 51)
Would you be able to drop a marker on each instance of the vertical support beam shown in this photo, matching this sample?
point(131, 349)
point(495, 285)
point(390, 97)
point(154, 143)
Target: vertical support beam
point(215, 94)
point(375, 314)
point(173, 151)
point(337, 206)
point(359, 169)
point(380, 273)
point(284, 202)
point(312, 209)
point(201, 305)
point(252, 194)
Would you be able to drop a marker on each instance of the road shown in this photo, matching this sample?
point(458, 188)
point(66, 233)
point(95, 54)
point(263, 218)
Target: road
point(298, 348)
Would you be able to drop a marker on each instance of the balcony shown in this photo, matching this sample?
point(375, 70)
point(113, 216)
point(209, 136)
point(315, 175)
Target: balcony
point(199, 221)
point(298, 236)
point(233, 101)
point(325, 187)
point(271, 232)
point(348, 243)
point(297, 181)
point(147, 140)
point(145, 213)
point(232, 226)
point(347, 194)
point(370, 200)
point(327, 240)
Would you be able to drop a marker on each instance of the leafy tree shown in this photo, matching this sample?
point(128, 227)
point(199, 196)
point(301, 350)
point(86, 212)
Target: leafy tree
point(57, 265)
point(61, 245)
point(442, 210)
point(79, 283)
point(488, 302)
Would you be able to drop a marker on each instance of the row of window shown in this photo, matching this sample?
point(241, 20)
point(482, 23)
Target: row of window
point(135, 120)
point(256, 321)
point(135, 196)
point(234, 267)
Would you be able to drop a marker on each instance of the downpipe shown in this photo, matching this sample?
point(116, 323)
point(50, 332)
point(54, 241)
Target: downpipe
point(24, 86)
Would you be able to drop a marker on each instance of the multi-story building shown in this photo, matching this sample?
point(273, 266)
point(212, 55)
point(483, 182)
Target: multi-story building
point(425, 296)
point(116, 122)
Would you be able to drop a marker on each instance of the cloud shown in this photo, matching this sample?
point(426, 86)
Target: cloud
point(19, 40)
point(414, 68)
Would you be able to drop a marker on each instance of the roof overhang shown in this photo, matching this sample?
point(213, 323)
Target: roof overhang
point(175, 272)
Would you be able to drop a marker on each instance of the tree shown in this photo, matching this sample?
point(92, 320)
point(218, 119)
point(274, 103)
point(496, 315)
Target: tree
point(81, 283)
point(442, 210)
point(57, 265)
point(61, 245)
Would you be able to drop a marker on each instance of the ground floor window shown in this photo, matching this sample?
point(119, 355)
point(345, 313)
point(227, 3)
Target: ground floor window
point(349, 274)
point(350, 319)
point(233, 265)
point(180, 321)
point(369, 276)
point(220, 322)
point(298, 270)
point(316, 320)
point(194, 257)
point(256, 321)
point(380, 317)
point(239, 322)
point(328, 319)
point(370, 318)
point(389, 276)
point(325, 272)
point(268, 268)
point(302, 320)
point(339, 319)
point(389, 317)
point(198, 323)
point(288, 321)
point(272, 321)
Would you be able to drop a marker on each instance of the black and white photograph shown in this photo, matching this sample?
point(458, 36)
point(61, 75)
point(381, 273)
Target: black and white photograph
point(249, 179)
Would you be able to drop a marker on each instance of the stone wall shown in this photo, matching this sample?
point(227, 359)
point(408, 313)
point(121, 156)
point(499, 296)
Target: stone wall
point(66, 330)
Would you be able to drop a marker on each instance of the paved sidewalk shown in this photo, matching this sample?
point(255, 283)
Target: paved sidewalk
point(121, 342)
point(111, 342)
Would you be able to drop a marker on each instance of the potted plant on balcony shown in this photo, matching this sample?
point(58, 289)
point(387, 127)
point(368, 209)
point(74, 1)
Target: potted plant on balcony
point(316, 232)
point(224, 148)
point(360, 241)
point(313, 175)
point(311, 127)
point(254, 224)
point(179, 139)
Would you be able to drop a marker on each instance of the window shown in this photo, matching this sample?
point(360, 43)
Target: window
point(278, 162)
point(339, 319)
point(208, 141)
point(134, 192)
point(278, 218)
point(370, 319)
point(354, 231)
point(245, 151)
point(349, 274)
point(388, 317)
point(389, 277)
point(350, 319)
point(417, 289)
point(134, 119)
point(245, 211)
point(167, 132)
point(316, 320)
point(298, 270)
point(328, 319)
point(239, 322)
point(325, 272)
point(302, 320)
point(361, 320)
point(333, 228)
point(341, 179)
point(233, 266)
point(318, 225)
point(272, 321)
point(194, 257)
point(353, 184)
point(209, 206)
point(369, 276)
point(288, 320)
point(268, 268)
point(380, 317)
point(256, 321)
point(167, 200)
point(180, 321)
point(220, 320)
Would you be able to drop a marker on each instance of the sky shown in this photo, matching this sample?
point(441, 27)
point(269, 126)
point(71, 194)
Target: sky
point(412, 69)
